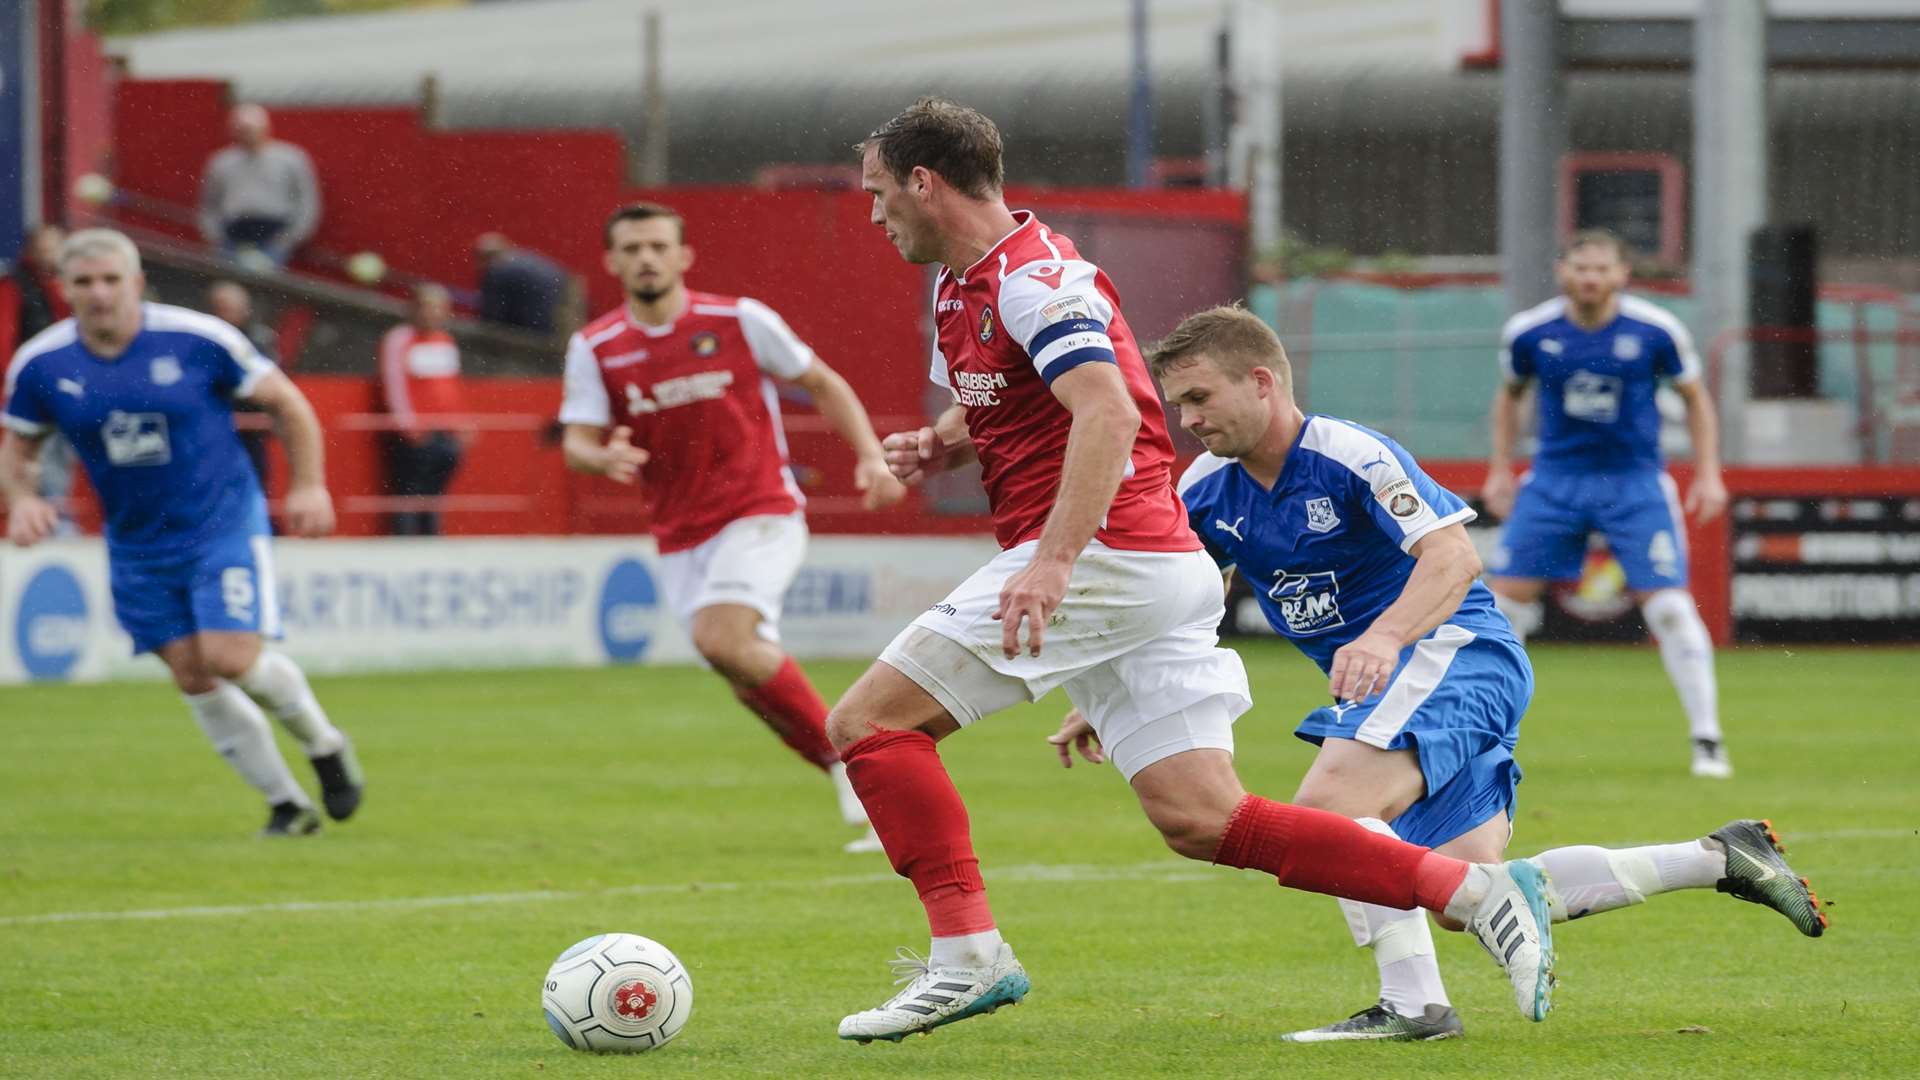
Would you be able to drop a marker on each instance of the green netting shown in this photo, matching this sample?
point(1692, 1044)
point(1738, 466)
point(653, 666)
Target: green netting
point(1420, 363)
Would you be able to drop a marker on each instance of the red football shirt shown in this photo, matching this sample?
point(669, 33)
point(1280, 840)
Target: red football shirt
point(1028, 311)
point(698, 396)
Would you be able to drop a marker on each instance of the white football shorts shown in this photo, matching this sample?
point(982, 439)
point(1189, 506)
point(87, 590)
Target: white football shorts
point(1135, 644)
point(750, 562)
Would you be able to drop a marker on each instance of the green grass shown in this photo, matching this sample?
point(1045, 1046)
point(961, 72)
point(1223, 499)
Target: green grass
point(579, 786)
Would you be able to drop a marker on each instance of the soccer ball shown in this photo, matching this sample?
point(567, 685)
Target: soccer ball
point(618, 992)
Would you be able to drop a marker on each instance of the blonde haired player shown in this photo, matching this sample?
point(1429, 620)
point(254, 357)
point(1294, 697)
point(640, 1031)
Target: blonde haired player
point(1363, 562)
point(145, 394)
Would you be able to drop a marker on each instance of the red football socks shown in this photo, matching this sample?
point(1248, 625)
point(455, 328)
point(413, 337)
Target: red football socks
point(922, 823)
point(792, 708)
point(1326, 853)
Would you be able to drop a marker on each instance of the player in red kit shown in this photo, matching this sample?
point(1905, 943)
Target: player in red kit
point(674, 391)
point(1101, 589)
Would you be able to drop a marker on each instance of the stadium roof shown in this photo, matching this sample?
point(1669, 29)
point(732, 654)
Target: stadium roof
point(550, 44)
point(755, 81)
point(532, 49)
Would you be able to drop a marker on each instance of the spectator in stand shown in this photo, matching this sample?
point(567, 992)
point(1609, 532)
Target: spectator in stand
point(30, 297)
point(420, 387)
point(232, 303)
point(31, 301)
point(258, 195)
point(519, 287)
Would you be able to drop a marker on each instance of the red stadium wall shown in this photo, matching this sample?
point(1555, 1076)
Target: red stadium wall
point(419, 197)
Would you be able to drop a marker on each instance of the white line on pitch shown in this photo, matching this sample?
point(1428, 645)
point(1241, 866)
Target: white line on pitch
point(1160, 870)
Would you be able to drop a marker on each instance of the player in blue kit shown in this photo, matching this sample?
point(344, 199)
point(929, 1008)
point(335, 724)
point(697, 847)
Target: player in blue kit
point(1598, 357)
point(1361, 561)
point(144, 393)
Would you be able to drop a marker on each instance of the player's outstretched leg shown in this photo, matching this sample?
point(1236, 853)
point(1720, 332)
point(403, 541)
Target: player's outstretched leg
point(1742, 858)
point(278, 684)
point(1197, 802)
point(922, 824)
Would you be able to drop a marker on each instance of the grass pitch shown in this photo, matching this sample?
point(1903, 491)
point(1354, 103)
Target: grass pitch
point(144, 932)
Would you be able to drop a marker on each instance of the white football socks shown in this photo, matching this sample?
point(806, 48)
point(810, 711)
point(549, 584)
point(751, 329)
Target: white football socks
point(965, 950)
point(1473, 889)
point(1525, 615)
point(238, 730)
point(276, 682)
point(1687, 650)
point(1402, 945)
point(1594, 879)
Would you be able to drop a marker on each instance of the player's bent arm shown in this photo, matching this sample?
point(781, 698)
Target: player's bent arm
point(1703, 425)
point(17, 454)
point(30, 518)
point(308, 507)
point(955, 440)
point(842, 408)
point(1504, 424)
point(584, 447)
point(299, 429)
point(1445, 566)
point(1099, 442)
point(1707, 496)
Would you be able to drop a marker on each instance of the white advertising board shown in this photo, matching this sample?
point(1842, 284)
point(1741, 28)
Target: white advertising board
point(371, 605)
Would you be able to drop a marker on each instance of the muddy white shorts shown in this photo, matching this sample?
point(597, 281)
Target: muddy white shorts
point(1135, 644)
point(750, 562)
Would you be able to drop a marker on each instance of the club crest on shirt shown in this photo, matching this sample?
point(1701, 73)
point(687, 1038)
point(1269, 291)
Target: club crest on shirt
point(1626, 346)
point(76, 387)
point(1320, 515)
point(705, 343)
point(1551, 347)
point(164, 371)
point(986, 325)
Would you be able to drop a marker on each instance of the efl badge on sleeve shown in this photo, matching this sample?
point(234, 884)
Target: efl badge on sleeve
point(1320, 515)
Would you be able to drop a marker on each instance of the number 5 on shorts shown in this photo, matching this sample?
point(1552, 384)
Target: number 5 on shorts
point(237, 592)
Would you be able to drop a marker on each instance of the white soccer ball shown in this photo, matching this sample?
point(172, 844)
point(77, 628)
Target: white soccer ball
point(618, 992)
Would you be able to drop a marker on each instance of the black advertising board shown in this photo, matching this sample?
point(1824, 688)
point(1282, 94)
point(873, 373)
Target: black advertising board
point(1826, 568)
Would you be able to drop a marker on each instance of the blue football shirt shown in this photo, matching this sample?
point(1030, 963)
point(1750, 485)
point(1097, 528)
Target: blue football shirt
point(1326, 550)
point(153, 426)
point(1597, 387)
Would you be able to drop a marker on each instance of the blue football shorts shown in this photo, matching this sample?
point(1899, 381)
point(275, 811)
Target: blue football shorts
point(226, 584)
point(1455, 700)
point(1553, 514)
